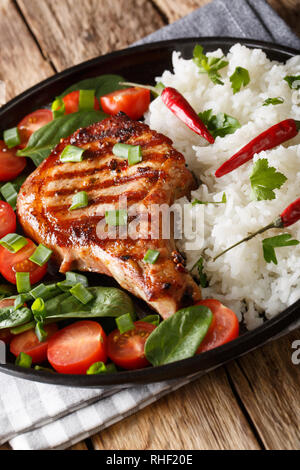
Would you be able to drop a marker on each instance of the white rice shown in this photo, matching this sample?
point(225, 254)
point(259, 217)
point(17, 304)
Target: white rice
point(241, 279)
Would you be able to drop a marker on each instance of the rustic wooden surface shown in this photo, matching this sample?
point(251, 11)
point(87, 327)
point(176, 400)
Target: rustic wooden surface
point(252, 403)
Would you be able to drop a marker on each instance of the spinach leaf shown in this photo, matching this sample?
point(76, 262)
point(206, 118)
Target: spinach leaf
point(102, 85)
point(44, 140)
point(10, 318)
point(179, 336)
point(106, 302)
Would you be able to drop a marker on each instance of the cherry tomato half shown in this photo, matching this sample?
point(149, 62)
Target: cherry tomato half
point(10, 263)
point(72, 102)
point(10, 165)
point(32, 122)
point(28, 343)
point(224, 326)
point(127, 349)
point(5, 335)
point(8, 219)
point(132, 101)
point(75, 348)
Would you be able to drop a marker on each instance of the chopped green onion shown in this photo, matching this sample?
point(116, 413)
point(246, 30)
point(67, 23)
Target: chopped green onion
point(81, 293)
point(23, 360)
point(10, 194)
point(44, 292)
point(44, 369)
point(72, 154)
point(41, 255)
point(116, 218)
point(38, 309)
point(77, 278)
point(124, 323)
point(153, 319)
point(133, 153)
point(13, 242)
point(101, 368)
point(11, 137)
point(20, 329)
point(23, 283)
point(79, 201)
point(19, 301)
point(58, 108)
point(151, 256)
point(40, 332)
point(86, 100)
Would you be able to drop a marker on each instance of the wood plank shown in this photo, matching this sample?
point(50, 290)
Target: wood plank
point(288, 9)
point(202, 415)
point(21, 63)
point(80, 446)
point(5, 447)
point(268, 384)
point(78, 30)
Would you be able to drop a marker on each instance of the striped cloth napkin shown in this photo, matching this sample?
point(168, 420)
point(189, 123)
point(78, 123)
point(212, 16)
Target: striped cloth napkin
point(37, 416)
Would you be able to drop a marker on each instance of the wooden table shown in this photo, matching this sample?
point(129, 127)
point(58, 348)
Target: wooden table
point(252, 403)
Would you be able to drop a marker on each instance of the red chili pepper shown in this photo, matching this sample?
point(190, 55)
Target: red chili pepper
point(180, 107)
point(275, 135)
point(183, 110)
point(288, 217)
point(291, 214)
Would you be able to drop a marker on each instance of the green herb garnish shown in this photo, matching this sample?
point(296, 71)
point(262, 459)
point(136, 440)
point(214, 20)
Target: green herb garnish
point(269, 245)
point(11, 137)
point(79, 201)
point(116, 218)
point(125, 323)
point(223, 201)
point(202, 276)
point(264, 180)
point(239, 78)
point(24, 360)
point(151, 256)
point(219, 124)
point(209, 65)
point(273, 101)
point(293, 81)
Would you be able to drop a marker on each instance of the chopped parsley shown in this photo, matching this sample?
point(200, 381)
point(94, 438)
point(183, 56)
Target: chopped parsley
point(223, 201)
point(269, 245)
point(219, 124)
point(293, 81)
point(239, 78)
point(209, 65)
point(264, 180)
point(273, 101)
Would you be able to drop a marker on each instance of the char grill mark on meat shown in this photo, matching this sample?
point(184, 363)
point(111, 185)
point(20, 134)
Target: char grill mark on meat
point(161, 177)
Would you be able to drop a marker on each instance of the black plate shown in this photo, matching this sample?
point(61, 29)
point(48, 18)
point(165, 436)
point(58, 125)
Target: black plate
point(142, 64)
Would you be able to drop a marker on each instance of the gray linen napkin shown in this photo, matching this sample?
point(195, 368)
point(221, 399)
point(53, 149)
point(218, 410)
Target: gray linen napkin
point(38, 416)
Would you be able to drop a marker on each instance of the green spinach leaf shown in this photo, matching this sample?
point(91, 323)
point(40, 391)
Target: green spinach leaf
point(102, 85)
point(179, 336)
point(10, 318)
point(42, 142)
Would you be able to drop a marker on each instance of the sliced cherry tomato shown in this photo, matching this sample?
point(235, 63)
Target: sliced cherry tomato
point(8, 219)
point(132, 101)
point(28, 343)
point(32, 122)
point(224, 326)
point(75, 348)
point(11, 263)
point(10, 165)
point(5, 335)
point(72, 102)
point(127, 349)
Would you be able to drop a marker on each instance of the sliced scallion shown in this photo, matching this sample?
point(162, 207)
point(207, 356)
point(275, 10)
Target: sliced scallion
point(24, 360)
point(153, 319)
point(124, 323)
point(40, 332)
point(72, 154)
point(10, 194)
point(11, 137)
point(13, 242)
point(101, 368)
point(19, 301)
point(38, 309)
point(79, 201)
point(116, 218)
point(58, 108)
point(133, 153)
point(81, 293)
point(20, 329)
point(86, 100)
point(44, 369)
point(77, 278)
point(23, 282)
point(151, 256)
point(41, 255)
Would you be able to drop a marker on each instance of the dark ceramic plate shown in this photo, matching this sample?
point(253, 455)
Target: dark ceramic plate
point(142, 64)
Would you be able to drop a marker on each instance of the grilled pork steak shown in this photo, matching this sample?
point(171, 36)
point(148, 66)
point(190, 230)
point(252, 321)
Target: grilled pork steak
point(160, 178)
